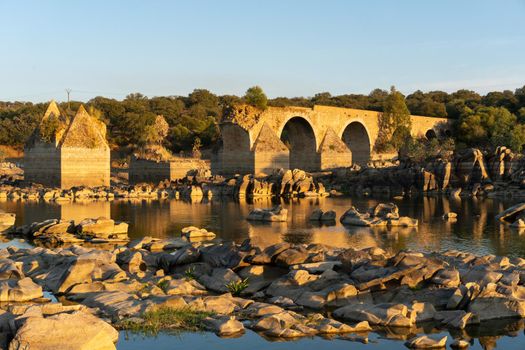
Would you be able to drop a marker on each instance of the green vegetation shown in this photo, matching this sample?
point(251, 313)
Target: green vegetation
point(237, 287)
point(482, 120)
point(419, 150)
point(394, 122)
point(163, 284)
point(49, 127)
point(491, 126)
point(189, 274)
point(166, 318)
point(255, 96)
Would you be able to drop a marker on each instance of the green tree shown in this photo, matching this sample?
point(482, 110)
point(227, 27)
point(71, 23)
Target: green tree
point(157, 132)
point(395, 117)
point(490, 126)
point(256, 97)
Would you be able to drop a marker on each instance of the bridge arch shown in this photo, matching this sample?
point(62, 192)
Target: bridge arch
point(430, 134)
point(357, 138)
point(299, 136)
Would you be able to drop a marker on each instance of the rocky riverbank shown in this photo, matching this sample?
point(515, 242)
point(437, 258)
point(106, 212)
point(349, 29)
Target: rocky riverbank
point(296, 183)
point(470, 172)
point(283, 291)
point(467, 173)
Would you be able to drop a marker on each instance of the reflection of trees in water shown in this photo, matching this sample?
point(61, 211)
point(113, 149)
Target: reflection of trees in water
point(475, 229)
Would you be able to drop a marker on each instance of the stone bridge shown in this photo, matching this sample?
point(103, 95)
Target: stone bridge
point(313, 139)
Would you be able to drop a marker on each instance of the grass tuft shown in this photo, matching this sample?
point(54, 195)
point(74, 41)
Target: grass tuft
point(166, 319)
point(236, 288)
point(190, 273)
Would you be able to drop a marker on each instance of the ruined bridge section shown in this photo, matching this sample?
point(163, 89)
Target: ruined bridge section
point(318, 138)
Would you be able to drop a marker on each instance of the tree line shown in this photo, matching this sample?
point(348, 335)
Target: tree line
point(480, 120)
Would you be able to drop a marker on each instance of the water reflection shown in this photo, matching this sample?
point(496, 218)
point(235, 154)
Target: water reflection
point(475, 229)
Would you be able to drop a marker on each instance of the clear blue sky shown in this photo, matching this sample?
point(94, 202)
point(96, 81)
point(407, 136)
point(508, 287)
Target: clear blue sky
point(289, 47)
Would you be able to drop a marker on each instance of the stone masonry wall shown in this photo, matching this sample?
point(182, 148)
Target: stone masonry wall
point(85, 167)
point(42, 165)
point(143, 170)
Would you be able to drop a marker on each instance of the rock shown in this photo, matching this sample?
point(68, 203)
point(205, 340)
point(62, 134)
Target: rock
point(385, 211)
point(459, 344)
point(269, 253)
point(195, 232)
point(395, 315)
point(291, 257)
point(222, 255)
point(102, 228)
point(19, 290)
point(455, 193)
point(450, 216)
point(75, 331)
point(490, 305)
point(446, 278)
point(316, 215)
point(218, 279)
point(116, 304)
point(403, 221)
point(425, 342)
point(79, 271)
point(512, 214)
point(223, 326)
point(319, 215)
point(260, 276)
point(182, 286)
point(7, 220)
point(355, 218)
point(276, 214)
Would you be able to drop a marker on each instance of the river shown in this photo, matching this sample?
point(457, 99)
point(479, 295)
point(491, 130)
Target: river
point(475, 231)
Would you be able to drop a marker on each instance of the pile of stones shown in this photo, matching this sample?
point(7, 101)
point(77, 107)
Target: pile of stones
point(54, 231)
point(383, 214)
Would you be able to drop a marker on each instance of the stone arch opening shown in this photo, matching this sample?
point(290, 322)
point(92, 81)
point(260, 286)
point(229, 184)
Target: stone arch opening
point(298, 135)
point(430, 134)
point(357, 140)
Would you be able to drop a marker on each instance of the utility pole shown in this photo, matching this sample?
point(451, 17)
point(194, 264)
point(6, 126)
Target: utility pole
point(68, 91)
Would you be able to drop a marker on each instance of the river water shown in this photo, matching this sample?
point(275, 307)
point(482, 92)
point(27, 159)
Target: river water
point(475, 231)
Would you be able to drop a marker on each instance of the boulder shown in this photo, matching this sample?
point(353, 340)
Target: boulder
point(276, 214)
point(218, 279)
point(7, 220)
point(223, 326)
point(19, 290)
point(76, 331)
point(195, 232)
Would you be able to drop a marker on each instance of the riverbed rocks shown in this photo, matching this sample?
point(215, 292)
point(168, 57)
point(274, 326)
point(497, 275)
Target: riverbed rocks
point(76, 330)
point(283, 290)
point(383, 214)
point(195, 232)
point(7, 220)
point(468, 172)
point(19, 290)
point(275, 214)
point(328, 216)
point(54, 231)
